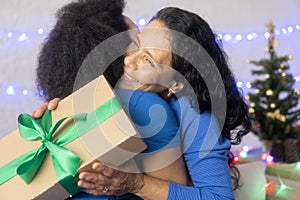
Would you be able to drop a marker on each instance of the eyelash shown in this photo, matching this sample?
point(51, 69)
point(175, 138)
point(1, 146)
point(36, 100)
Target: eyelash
point(147, 59)
point(150, 62)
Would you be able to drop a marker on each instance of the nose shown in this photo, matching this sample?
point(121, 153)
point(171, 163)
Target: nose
point(130, 61)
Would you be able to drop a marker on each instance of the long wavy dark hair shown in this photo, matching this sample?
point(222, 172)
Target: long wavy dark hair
point(197, 29)
point(81, 25)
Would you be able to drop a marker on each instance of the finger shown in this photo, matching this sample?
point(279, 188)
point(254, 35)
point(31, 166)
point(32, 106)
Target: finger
point(86, 185)
point(104, 169)
point(98, 166)
point(40, 111)
point(53, 104)
point(92, 177)
point(91, 186)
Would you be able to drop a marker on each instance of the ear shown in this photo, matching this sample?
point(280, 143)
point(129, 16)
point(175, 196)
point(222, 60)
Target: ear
point(177, 87)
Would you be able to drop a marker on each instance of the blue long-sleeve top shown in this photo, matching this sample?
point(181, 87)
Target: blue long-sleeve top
point(204, 151)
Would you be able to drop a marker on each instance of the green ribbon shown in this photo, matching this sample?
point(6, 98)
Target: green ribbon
point(65, 163)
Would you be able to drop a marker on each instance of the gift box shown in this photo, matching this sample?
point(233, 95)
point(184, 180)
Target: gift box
point(40, 159)
point(284, 170)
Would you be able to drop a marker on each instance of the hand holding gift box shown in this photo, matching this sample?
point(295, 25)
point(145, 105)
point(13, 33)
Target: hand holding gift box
point(102, 131)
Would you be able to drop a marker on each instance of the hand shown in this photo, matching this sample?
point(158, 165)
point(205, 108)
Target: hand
point(52, 105)
point(109, 181)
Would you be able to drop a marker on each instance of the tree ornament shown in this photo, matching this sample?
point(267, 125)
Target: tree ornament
point(270, 26)
point(269, 92)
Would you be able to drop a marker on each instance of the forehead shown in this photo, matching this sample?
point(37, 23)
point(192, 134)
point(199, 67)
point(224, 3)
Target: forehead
point(155, 36)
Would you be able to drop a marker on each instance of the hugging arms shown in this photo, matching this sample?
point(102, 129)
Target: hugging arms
point(205, 133)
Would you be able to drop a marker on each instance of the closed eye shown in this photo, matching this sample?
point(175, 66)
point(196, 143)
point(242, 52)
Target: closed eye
point(149, 61)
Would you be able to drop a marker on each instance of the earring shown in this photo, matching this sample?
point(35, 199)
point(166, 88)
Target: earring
point(170, 92)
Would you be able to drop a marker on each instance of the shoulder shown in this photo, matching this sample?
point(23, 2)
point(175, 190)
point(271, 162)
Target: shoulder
point(149, 102)
point(140, 98)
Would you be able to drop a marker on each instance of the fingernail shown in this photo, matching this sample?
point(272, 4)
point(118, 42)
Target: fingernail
point(81, 176)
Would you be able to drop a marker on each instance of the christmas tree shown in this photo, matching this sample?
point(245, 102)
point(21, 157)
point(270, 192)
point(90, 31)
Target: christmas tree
point(274, 100)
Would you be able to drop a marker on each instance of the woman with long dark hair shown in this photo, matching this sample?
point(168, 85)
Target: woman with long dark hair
point(210, 110)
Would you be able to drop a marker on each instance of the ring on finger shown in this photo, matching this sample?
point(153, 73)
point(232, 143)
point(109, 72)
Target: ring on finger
point(105, 189)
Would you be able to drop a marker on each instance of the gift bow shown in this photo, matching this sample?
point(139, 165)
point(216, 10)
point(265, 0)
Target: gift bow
point(65, 162)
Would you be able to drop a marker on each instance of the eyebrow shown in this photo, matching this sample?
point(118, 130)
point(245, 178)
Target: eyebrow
point(138, 43)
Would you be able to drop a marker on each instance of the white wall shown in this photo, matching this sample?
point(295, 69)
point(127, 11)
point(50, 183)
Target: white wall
point(18, 58)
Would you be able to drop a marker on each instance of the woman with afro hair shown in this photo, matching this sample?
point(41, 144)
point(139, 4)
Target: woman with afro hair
point(81, 26)
point(64, 66)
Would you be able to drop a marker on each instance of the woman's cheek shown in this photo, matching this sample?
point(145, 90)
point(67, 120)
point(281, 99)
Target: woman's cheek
point(148, 76)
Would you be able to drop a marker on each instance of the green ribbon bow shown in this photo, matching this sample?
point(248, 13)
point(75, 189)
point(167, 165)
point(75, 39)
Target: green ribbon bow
point(65, 162)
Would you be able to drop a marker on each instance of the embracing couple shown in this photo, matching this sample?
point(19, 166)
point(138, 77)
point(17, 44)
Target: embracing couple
point(174, 63)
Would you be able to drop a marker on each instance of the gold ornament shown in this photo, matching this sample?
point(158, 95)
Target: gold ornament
point(283, 74)
point(270, 26)
point(281, 65)
point(272, 41)
point(267, 76)
point(276, 115)
point(269, 92)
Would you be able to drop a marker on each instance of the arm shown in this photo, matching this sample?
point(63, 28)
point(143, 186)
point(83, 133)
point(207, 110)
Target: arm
point(162, 159)
point(119, 183)
point(157, 124)
point(214, 171)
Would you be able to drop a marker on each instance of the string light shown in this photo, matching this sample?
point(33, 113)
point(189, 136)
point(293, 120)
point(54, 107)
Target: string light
point(248, 85)
point(22, 37)
point(25, 92)
point(284, 31)
point(264, 155)
point(142, 22)
point(298, 165)
point(40, 31)
point(243, 154)
point(10, 34)
point(268, 187)
point(269, 160)
point(267, 35)
point(227, 37)
point(238, 37)
point(239, 84)
point(10, 90)
point(14, 90)
point(236, 159)
point(221, 36)
point(290, 29)
point(245, 148)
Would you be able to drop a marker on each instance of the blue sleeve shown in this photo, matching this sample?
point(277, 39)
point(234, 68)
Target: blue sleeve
point(215, 183)
point(155, 121)
point(153, 118)
point(204, 154)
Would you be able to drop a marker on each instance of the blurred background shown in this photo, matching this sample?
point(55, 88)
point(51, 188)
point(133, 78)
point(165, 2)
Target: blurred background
point(241, 25)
